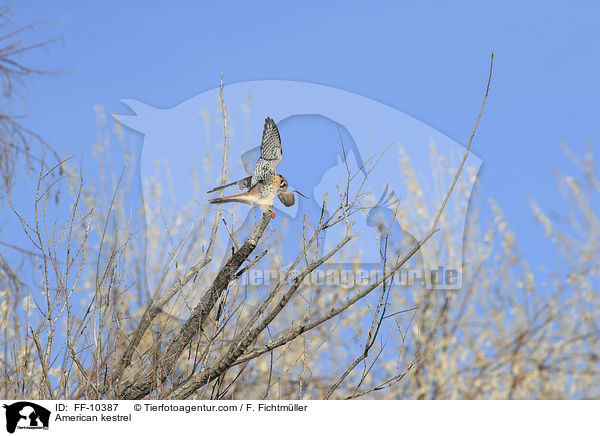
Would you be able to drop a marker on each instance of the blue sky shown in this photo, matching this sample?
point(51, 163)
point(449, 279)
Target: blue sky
point(429, 60)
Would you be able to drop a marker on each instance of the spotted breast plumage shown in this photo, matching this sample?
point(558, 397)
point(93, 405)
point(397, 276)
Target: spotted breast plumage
point(264, 184)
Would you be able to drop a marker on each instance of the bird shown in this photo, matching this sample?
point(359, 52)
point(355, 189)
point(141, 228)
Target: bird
point(264, 184)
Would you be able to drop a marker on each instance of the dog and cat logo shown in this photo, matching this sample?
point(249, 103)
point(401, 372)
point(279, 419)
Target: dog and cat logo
point(26, 415)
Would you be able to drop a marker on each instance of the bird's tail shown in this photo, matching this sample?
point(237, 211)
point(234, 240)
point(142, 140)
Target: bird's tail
point(242, 184)
point(241, 198)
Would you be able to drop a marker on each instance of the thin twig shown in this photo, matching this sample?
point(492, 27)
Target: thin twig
point(457, 175)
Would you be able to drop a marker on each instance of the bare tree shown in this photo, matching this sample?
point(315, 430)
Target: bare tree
point(15, 138)
point(95, 331)
point(131, 359)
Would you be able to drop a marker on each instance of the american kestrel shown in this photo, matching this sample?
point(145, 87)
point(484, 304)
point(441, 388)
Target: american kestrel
point(264, 184)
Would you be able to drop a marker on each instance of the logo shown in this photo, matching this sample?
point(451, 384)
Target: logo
point(26, 415)
point(394, 170)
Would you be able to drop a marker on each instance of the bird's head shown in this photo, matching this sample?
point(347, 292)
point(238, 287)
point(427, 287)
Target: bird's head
point(283, 184)
point(286, 197)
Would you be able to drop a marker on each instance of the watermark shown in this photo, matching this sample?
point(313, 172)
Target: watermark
point(394, 169)
point(351, 278)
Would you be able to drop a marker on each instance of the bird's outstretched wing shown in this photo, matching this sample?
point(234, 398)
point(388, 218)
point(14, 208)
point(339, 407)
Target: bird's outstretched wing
point(270, 154)
point(241, 184)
